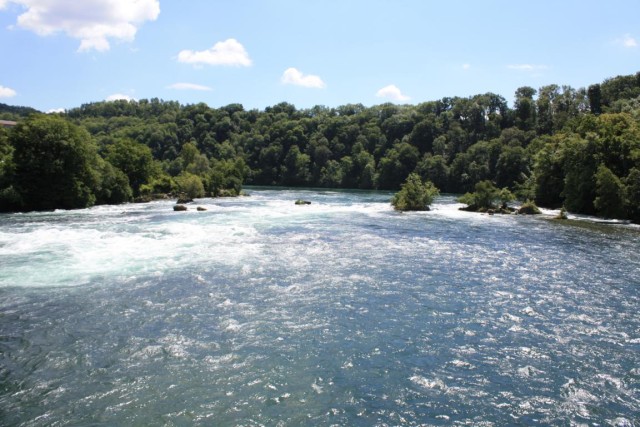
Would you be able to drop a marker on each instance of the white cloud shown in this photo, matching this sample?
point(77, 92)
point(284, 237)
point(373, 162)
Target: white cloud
point(93, 22)
point(466, 66)
point(294, 77)
point(527, 67)
point(6, 92)
point(628, 41)
point(392, 92)
point(56, 111)
point(228, 52)
point(188, 86)
point(119, 97)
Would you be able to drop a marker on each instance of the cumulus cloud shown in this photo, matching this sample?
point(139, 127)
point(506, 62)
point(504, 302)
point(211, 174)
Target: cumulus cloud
point(93, 22)
point(294, 77)
point(466, 66)
point(56, 111)
point(228, 52)
point(119, 97)
point(392, 92)
point(188, 86)
point(6, 92)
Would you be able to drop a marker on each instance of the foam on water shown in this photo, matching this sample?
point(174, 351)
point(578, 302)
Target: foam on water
point(342, 312)
point(109, 242)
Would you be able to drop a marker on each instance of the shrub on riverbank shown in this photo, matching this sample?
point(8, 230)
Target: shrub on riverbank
point(487, 198)
point(415, 195)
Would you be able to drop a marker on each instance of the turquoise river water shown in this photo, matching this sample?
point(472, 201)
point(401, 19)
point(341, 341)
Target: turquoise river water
point(343, 312)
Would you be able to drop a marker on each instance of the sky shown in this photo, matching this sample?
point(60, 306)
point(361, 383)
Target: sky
point(60, 54)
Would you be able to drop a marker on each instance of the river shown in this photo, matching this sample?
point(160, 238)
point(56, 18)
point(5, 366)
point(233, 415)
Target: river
point(342, 312)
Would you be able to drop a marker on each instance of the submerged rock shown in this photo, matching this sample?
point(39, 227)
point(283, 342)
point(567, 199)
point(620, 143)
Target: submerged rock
point(184, 199)
point(302, 202)
point(201, 209)
point(562, 214)
point(528, 208)
point(179, 208)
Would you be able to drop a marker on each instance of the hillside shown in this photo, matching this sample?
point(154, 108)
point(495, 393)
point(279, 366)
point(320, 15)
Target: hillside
point(557, 145)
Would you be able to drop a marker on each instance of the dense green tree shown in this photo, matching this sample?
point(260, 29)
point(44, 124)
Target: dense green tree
point(632, 195)
point(163, 184)
point(548, 147)
point(113, 187)
point(618, 141)
point(414, 195)
point(135, 160)
point(476, 164)
point(549, 175)
point(190, 185)
point(546, 108)
point(609, 201)
point(580, 167)
point(595, 99)
point(295, 169)
point(512, 167)
point(424, 133)
point(525, 108)
point(396, 165)
point(620, 87)
point(362, 167)
point(10, 199)
point(269, 163)
point(54, 162)
point(434, 169)
point(6, 159)
point(191, 160)
point(226, 177)
point(331, 175)
point(486, 196)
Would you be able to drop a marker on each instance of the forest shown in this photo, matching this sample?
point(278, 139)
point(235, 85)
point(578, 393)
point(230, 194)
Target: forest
point(557, 146)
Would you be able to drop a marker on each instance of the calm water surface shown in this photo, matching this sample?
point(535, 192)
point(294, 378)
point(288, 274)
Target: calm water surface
point(342, 312)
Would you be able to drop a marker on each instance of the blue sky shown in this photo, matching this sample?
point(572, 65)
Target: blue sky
point(59, 54)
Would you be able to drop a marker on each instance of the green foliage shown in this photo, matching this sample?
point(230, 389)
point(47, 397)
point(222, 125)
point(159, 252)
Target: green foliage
point(54, 164)
point(190, 185)
point(548, 176)
point(609, 201)
point(10, 112)
point(10, 199)
point(617, 88)
point(548, 147)
point(512, 166)
point(134, 159)
point(415, 195)
point(163, 184)
point(6, 159)
point(486, 196)
point(226, 177)
point(434, 169)
point(632, 195)
point(568, 165)
point(113, 187)
point(529, 208)
point(295, 170)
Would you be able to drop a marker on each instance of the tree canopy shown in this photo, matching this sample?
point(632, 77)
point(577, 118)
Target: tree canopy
point(414, 195)
point(552, 147)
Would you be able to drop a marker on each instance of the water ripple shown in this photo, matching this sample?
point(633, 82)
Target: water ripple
point(342, 312)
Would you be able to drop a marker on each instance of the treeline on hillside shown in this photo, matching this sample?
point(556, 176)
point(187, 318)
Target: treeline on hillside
point(557, 145)
point(11, 112)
